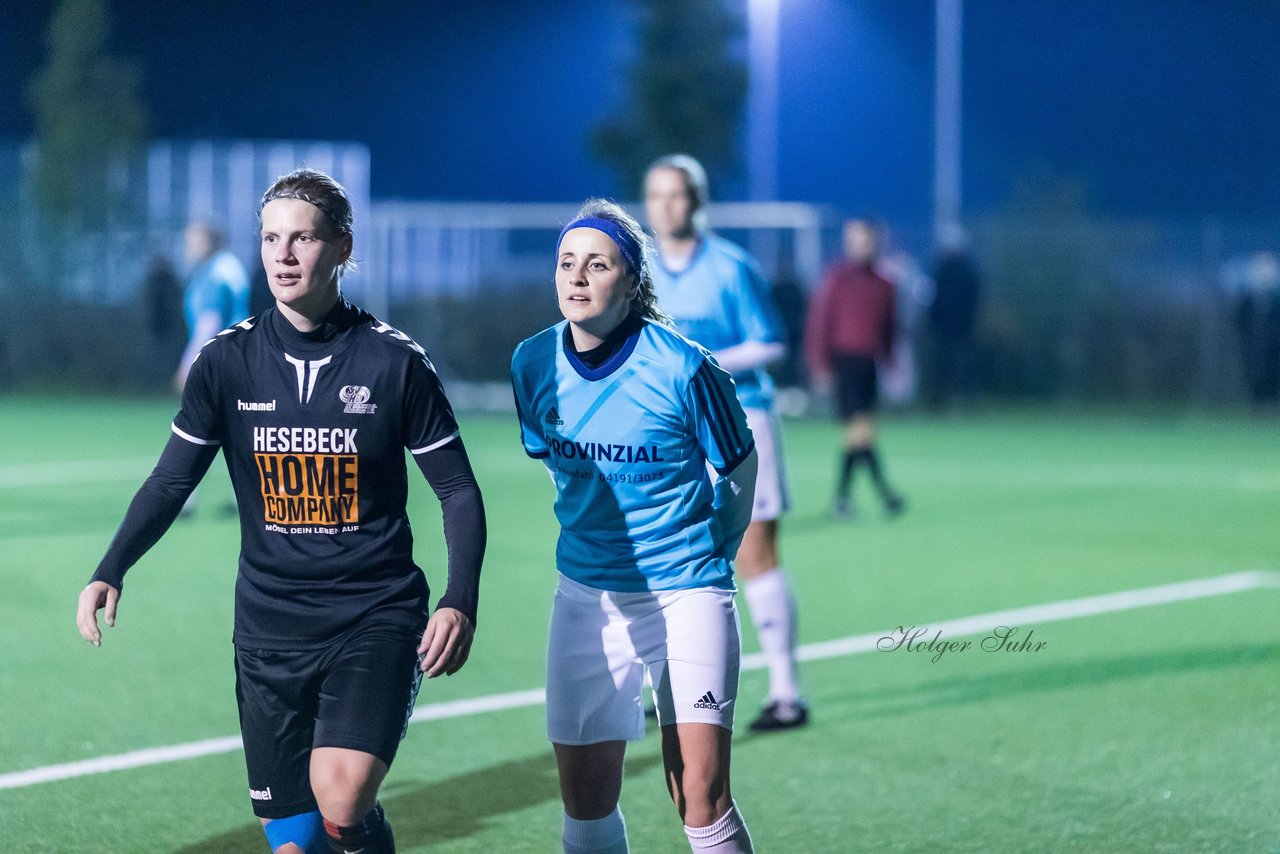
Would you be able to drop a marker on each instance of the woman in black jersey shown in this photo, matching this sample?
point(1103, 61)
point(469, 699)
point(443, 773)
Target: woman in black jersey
point(313, 403)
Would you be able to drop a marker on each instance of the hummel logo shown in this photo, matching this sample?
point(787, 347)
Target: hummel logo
point(255, 406)
point(260, 794)
point(553, 417)
point(707, 702)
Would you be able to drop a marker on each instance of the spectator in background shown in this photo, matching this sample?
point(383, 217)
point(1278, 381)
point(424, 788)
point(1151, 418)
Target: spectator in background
point(217, 293)
point(791, 300)
point(952, 319)
point(260, 298)
point(162, 305)
point(1257, 315)
point(850, 326)
point(913, 292)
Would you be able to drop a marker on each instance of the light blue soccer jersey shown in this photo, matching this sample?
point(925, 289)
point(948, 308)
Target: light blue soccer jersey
point(218, 284)
point(720, 300)
point(628, 443)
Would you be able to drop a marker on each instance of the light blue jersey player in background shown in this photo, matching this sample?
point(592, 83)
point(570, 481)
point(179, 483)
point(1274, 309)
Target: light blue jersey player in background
point(719, 298)
point(216, 295)
point(654, 468)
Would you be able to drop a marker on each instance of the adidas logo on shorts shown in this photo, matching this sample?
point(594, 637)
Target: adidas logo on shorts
point(706, 701)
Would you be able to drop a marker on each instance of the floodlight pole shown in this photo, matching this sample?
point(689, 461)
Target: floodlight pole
point(949, 25)
point(762, 99)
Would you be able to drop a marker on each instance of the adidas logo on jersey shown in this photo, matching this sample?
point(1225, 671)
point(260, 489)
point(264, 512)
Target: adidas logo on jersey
point(707, 702)
point(553, 417)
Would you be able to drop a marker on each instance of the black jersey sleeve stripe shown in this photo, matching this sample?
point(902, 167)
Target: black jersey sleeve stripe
point(708, 407)
point(722, 414)
point(716, 391)
point(724, 411)
point(736, 461)
point(705, 405)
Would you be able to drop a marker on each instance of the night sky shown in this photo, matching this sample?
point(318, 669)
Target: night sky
point(1164, 107)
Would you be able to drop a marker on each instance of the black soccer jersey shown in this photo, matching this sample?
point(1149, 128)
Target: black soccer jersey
point(313, 429)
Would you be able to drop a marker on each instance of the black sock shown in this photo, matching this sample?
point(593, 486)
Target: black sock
point(847, 465)
point(877, 474)
point(372, 835)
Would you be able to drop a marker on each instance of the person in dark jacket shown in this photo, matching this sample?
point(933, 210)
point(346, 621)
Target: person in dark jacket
point(851, 326)
point(952, 320)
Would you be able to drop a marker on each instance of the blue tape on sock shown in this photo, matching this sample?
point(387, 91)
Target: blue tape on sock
point(305, 830)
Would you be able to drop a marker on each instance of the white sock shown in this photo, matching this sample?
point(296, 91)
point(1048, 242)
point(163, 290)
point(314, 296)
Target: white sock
point(727, 836)
point(606, 835)
point(773, 612)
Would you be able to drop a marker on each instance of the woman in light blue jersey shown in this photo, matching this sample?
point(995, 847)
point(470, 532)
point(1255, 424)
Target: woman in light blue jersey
point(718, 296)
point(654, 467)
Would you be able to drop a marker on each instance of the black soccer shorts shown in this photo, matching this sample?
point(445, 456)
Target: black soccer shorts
point(856, 386)
point(357, 693)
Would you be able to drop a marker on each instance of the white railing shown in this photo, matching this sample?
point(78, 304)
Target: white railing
point(447, 248)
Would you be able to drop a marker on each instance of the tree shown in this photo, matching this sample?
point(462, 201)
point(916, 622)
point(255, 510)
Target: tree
point(686, 91)
point(88, 115)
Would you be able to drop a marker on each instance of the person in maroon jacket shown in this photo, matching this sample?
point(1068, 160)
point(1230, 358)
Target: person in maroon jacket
point(850, 326)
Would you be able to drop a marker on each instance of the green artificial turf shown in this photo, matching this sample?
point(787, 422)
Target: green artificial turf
point(1151, 729)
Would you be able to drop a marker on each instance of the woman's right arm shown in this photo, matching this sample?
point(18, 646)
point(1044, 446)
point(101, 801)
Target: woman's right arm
point(720, 428)
point(153, 509)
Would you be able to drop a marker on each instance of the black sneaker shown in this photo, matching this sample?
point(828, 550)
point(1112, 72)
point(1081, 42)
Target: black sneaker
point(894, 505)
point(781, 714)
point(842, 510)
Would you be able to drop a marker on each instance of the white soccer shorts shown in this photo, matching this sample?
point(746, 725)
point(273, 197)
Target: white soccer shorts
point(602, 642)
point(772, 494)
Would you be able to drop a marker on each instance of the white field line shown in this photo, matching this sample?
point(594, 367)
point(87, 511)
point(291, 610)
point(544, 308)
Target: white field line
point(76, 471)
point(1069, 609)
point(1035, 615)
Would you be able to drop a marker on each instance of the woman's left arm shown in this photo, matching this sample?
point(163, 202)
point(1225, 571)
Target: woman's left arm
point(734, 496)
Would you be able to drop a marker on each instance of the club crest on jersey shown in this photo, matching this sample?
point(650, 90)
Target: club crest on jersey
point(356, 398)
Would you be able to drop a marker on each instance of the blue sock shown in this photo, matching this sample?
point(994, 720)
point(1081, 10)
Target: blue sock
point(305, 830)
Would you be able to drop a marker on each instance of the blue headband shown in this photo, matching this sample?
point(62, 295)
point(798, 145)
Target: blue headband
point(626, 243)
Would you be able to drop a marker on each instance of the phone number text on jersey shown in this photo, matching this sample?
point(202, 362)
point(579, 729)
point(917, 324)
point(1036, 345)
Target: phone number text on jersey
point(613, 477)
